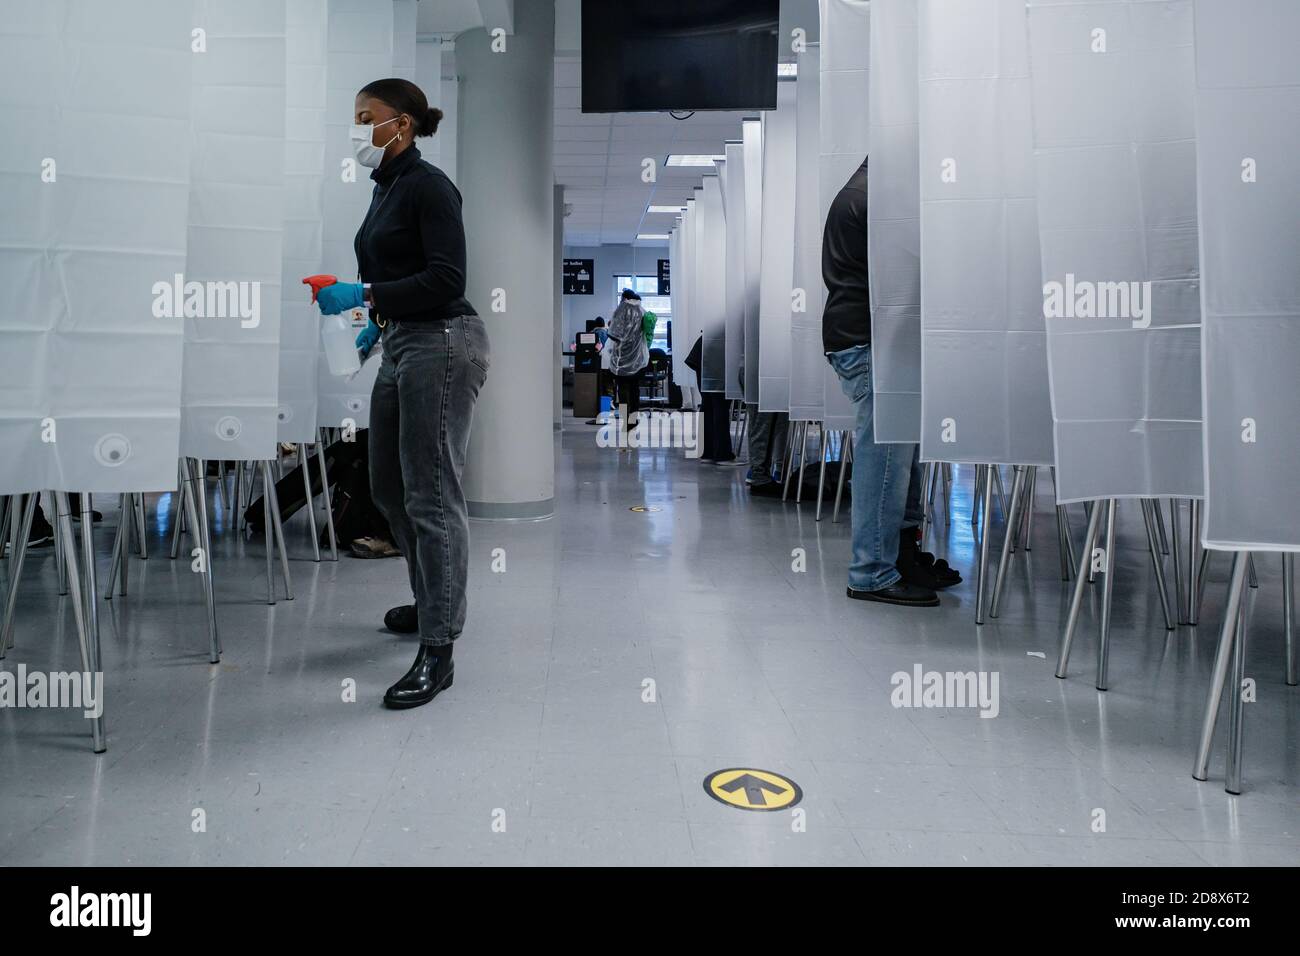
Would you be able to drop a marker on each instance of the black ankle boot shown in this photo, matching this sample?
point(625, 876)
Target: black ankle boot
point(403, 619)
point(429, 676)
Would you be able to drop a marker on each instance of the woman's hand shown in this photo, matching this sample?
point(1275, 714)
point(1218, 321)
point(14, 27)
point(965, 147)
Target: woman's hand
point(367, 338)
point(339, 297)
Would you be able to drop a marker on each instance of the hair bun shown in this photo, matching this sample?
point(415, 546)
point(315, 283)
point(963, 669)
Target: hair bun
point(429, 125)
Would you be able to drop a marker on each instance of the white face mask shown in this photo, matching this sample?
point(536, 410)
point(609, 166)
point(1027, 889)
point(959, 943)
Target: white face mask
point(362, 136)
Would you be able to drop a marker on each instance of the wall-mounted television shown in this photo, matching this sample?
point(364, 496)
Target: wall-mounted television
point(653, 55)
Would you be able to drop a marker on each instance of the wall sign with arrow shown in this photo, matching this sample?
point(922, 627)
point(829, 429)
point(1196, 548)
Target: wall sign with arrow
point(748, 789)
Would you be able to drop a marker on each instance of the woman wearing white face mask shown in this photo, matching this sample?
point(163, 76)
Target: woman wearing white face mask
point(411, 258)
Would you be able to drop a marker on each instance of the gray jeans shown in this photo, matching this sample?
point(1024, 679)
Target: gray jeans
point(420, 415)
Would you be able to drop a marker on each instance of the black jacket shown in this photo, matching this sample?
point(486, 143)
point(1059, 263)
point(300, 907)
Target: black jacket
point(846, 319)
point(411, 245)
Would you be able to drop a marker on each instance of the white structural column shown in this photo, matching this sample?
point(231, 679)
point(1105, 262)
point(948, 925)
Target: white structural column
point(557, 300)
point(507, 181)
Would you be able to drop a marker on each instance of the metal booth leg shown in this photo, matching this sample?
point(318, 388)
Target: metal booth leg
point(1222, 656)
point(1108, 588)
point(986, 528)
point(1080, 582)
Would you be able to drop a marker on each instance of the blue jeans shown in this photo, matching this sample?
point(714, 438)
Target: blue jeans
point(886, 481)
point(420, 416)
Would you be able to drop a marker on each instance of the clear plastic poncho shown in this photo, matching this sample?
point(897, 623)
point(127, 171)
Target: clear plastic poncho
point(629, 353)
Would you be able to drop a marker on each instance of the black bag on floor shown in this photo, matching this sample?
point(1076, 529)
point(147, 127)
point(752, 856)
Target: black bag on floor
point(347, 464)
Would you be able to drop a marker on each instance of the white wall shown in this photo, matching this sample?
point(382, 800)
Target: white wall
point(611, 260)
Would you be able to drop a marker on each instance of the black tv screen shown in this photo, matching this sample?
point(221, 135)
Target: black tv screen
point(650, 55)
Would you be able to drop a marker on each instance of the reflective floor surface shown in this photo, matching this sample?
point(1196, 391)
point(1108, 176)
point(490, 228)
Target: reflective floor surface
point(612, 661)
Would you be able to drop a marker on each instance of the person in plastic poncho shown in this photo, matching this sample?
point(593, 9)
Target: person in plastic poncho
point(629, 354)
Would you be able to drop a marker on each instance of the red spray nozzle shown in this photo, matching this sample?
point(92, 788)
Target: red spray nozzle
point(317, 283)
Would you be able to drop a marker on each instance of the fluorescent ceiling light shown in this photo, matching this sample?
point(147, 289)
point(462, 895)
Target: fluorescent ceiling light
point(672, 210)
point(652, 236)
point(787, 69)
point(688, 159)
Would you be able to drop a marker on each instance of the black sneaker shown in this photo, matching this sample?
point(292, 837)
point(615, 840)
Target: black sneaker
point(403, 619)
point(901, 593)
point(765, 489)
point(921, 567)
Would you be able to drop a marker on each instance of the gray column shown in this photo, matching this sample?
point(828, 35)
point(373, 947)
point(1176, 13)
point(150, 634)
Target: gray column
point(506, 172)
point(557, 268)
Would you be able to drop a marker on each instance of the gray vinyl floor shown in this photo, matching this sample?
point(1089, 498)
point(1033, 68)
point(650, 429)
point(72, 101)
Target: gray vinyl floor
point(554, 748)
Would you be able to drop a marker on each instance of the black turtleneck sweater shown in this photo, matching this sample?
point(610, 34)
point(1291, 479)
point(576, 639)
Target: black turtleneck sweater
point(846, 319)
point(411, 245)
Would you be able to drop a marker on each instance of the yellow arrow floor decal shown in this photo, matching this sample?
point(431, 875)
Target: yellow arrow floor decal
point(748, 789)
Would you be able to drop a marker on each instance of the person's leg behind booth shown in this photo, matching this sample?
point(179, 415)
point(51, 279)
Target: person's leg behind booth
point(882, 476)
point(917, 566)
point(717, 428)
point(766, 446)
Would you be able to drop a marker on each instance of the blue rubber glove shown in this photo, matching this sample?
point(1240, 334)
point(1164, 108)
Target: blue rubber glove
point(339, 297)
point(367, 338)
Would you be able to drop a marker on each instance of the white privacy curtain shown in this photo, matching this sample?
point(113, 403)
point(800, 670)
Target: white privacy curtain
point(845, 56)
point(713, 293)
point(752, 141)
point(807, 357)
point(777, 263)
point(360, 48)
point(304, 167)
point(734, 204)
point(689, 328)
point(699, 318)
point(230, 395)
point(984, 392)
point(1115, 165)
point(893, 223)
point(94, 187)
point(1248, 174)
point(682, 337)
